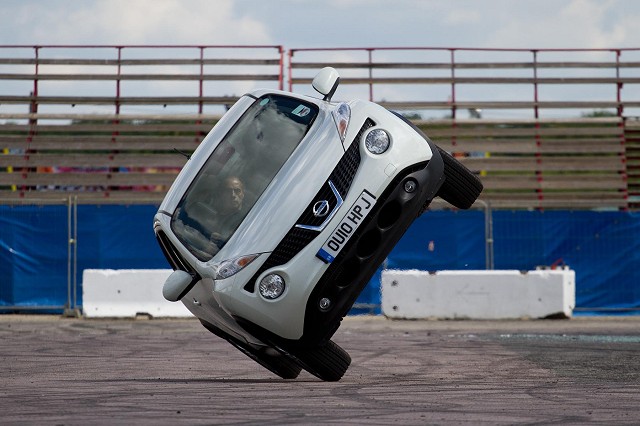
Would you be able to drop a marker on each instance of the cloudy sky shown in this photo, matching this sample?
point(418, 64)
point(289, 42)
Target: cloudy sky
point(329, 23)
point(296, 24)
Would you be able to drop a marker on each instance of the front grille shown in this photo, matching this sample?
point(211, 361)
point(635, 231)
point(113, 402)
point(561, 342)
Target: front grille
point(341, 177)
point(297, 238)
point(343, 174)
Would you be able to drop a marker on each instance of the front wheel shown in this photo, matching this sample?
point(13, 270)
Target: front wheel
point(461, 188)
point(327, 362)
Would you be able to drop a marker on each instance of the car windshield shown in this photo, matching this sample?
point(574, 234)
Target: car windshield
point(238, 171)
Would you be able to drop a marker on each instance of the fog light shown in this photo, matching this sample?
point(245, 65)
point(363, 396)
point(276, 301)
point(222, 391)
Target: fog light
point(377, 141)
point(272, 286)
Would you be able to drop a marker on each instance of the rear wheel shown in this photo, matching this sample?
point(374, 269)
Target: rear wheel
point(461, 188)
point(327, 362)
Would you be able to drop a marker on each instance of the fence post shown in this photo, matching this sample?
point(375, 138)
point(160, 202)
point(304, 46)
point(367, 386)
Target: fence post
point(536, 115)
point(71, 307)
point(488, 229)
point(622, 127)
point(488, 233)
point(33, 108)
point(370, 51)
point(75, 254)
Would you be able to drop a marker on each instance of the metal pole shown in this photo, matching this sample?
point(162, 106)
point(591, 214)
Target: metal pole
point(71, 307)
point(622, 127)
point(370, 52)
point(119, 72)
point(67, 307)
point(75, 254)
point(201, 82)
point(488, 233)
point(281, 74)
point(453, 87)
point(536, 114)
point(34, 104)
point(291, 70)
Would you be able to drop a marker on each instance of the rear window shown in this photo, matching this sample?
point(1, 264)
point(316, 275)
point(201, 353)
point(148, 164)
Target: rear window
point(238, 171)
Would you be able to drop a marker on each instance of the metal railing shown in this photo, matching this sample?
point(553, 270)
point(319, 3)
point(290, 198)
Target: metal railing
point(534, 130)
point(106, 68)
point(457, 70)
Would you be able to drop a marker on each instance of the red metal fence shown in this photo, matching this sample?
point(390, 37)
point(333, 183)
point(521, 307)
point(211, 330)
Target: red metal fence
point(120, 76)
point(533, 80)
point(545, 128)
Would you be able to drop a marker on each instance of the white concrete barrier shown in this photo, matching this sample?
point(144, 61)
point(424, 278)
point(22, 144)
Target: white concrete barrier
point(412, 294)
point(127, 293)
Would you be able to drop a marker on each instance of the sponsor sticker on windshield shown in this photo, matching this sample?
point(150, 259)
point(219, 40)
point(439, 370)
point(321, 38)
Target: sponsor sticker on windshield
point(347, 227)
point(301, 110)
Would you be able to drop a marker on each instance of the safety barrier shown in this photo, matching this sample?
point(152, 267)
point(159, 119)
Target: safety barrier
point(412, 294)
point(405, 294)
point(127, 293)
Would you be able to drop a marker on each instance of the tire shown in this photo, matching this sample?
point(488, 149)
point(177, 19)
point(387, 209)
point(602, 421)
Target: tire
point(278, 363)
point(461, 188)
point(327, 362)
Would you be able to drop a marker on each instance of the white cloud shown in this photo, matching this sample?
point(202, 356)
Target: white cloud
point(138, 21)
point(305, 23)
point(462, 16)
point(568, 24)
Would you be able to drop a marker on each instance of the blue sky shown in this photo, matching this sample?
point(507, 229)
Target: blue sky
point(329, 23)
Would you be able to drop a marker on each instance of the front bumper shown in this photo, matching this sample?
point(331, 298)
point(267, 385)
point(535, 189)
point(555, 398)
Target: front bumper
point(350, 272)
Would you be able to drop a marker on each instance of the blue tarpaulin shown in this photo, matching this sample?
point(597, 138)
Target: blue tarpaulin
point(34, 246)
point(602, 247)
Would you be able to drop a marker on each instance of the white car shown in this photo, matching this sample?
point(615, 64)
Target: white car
point(284, 212)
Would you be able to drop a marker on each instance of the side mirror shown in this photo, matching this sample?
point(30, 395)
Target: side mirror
point(326, 82)
point(177, 285)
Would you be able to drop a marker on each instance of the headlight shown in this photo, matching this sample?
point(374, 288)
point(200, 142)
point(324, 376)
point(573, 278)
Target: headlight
point(271, 287)
point(342, 115)
point(228, 268)
point(377, 141)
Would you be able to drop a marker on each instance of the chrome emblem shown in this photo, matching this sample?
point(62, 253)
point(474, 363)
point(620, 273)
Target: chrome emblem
point(321, 208)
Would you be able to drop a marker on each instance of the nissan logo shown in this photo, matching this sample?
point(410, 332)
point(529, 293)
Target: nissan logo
point(321, 208)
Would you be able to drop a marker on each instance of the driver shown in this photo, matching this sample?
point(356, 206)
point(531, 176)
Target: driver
point(228, 202)
point(209, 219)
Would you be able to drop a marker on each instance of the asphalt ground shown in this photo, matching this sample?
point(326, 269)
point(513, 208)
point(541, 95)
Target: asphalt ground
point(57, 371)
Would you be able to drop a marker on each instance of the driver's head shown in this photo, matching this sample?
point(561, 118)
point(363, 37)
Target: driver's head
point(231, 195)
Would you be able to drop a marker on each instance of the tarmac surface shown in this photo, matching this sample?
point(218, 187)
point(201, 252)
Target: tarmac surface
point(67, 371)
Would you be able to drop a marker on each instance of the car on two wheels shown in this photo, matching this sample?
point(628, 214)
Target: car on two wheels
point(284, 212)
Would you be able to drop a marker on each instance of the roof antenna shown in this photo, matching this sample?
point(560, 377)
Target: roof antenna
point(183, 153)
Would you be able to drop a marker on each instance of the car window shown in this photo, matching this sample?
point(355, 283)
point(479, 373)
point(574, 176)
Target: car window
point(239, 170)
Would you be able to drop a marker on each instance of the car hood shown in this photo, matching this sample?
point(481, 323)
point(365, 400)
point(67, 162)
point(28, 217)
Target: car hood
point(286, 197)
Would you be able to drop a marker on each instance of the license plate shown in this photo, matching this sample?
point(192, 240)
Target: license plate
point(347, 226)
